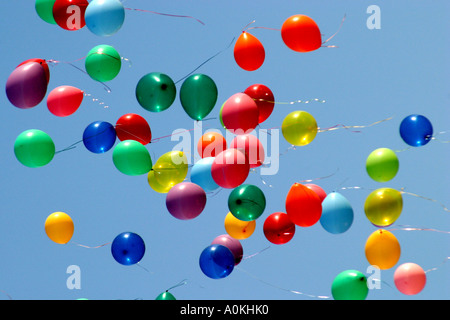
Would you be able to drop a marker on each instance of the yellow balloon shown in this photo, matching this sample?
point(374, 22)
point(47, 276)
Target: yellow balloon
point(382, 249)
point(383, 206)
point(299, 128)
point(239, 229)
point(171, 168)
point(59, 227)
point(155, 185)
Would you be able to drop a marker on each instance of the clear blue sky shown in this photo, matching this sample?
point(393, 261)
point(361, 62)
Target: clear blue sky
point(397, 70)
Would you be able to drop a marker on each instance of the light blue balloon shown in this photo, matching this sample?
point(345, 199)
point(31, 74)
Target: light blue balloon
point(104, 17)
point(337, 213)
point(201, 174)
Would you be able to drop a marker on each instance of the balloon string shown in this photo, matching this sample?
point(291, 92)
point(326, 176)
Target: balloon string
point(248, 28)
point(95, 99)
point(179, 284)
point(88, 247)
point(7, 294)
point(436, 268)
point(144, 268)
point(340, 26)
point(425, 198)
point(255, 254)
point(338, 126)
point(409, 228)
point(166, 14)
point(292, 102)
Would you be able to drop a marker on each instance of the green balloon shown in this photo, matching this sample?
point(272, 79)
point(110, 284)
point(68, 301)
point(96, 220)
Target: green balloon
point(246, 202)
point(382, 164)
point(156, 92)
point(198, 95)
point(44, 9)
point(34, 148)
point(132, 158)
point(166, 295)
point(350, 285)
point(103, 63)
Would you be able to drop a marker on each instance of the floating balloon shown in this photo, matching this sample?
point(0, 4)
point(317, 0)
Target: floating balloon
point(299, 128)
point(252, 147)
point(264, 99)
point(240, 114)
point(155, 185)
point(185, 200)
point(416, 130)
point(382, 165)
point(201, 174)
point(249, 52)
point(231, 243)
point(103, 63)
point(155, 92)
point(383, 206)
point(171, 168)
point(34, 148)
point(64, 100)
point(104, 17)
point(409, 278)
point(216, 261)
point(166, 295)
point(247, 202)
point(382, 249)
point(99, 137)
point(303, 205)
point(132, 158)
point(350, 285)
point(198, 95)
point(230, 168)
point(320, 192)
point(132, 126)
point(69, 14)
point(301, 33)
point(128, 248)
point(211, 144)
point(59, 227)
point(44, 9)
point(278, 228)
point(42, 62)
point(238, 229)
point(337, 213)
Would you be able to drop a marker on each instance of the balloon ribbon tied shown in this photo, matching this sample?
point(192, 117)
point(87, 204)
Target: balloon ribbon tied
point(166, 14)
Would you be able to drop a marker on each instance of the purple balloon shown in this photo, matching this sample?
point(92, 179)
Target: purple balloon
point(186, 200)
point(27, 85)
point(231, 243)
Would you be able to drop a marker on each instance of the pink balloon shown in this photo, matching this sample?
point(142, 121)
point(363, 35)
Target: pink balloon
point(252, 147)
point(230, 168)
point(231, 243)
point(409, 278)
point(240, 114)
point(320, 192)
point(64, 100)
point(185, 200)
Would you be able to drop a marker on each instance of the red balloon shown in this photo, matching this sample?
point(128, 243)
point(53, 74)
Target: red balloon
point(240, 114)
point(211, 144)
point(278, 228)
point(252, 147)
point(230, 168)
point(264, 99)
point(301, 33)
point(132, 126)
point(64, 100)
point(249, 52)
point(303, 205)
point(320, 192)
point(69, 14)
point(43, 63)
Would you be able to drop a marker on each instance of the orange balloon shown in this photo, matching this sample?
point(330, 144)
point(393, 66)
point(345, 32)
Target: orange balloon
point(211, 144)
point(303, 205)
point(301, 33)
point(382, 249)
point(249, 52)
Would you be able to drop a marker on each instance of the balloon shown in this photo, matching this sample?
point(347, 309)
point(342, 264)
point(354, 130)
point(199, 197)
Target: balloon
point(301, 33)
point(264, 98)
point(103, 63)
point(278, 228)
point(238, 229)
point(249, 52)
point(59, 227)
point(252, 147)
point(299, 128)
point(216, 261)
point(26, 86)
point(383, 206)
point(247, 202)
point(198, 95)
point(409, 278)
point(350, 285)
point(128, 248)
point(132, 158)
point(99, 136)
point(42, 62)
point(185, 200)
point(132, 126)
point(166, 295)
point(320, 192)
point(69, 14)
point(230, 168)
point(44, 9)
point(155, 92)
point(155, 185)
point(240, 114)
point(416, 130)
point(382, 165)
point(382, 249)
point(64, 100)
point(201, 174)
point(234, 245)
point(104, 17)
point(34, 148)
point(303, 205)
point(171, 168)
point(337, 213)
point(211, 144)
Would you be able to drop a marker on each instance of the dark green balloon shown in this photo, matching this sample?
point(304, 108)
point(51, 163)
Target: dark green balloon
point(350, 285)
point(166, 295)
point(156, 92)
point(246, 202)
point(198, 96)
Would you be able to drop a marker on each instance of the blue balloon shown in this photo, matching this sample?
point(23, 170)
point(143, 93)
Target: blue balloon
point(216, 261)
point(337, 213)
point(99, 136)
point(104, 17)
point(416, 130)
point(128, 248)
point(201, 174)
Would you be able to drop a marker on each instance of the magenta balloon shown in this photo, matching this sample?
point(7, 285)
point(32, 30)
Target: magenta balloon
point(185, 200)
point(27, 85)
point(231, 243)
